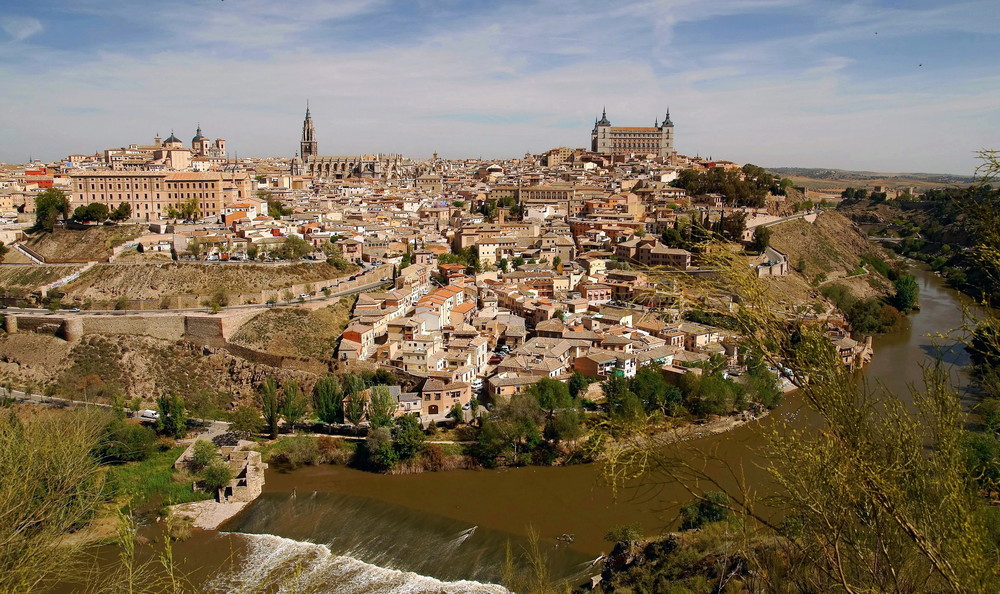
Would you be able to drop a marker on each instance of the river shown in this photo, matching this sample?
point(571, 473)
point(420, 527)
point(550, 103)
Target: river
point(357, 531)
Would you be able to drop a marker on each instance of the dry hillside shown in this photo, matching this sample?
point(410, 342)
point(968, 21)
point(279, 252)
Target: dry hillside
point(138, 366)
point(82, 245)
point(297, 332)
point(824, 251)
point(19, 281)
point(153, 281)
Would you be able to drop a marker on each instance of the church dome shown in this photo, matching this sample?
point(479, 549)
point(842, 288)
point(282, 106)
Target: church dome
point(172, 138)
point(198, 137)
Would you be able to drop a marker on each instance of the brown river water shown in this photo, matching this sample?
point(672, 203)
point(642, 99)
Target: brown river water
point(337, 529)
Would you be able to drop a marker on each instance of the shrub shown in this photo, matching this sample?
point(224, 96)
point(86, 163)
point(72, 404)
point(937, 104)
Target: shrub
point(293, 452)
point(126, 442)
point(627, 533)
point(433, 458)
point(216, 475)
point(202, 454)
point(710, 507)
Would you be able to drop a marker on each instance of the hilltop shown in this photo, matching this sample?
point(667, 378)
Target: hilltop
point(821, 179)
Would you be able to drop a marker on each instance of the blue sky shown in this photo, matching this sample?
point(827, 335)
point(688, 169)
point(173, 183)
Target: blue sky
point(888, 86)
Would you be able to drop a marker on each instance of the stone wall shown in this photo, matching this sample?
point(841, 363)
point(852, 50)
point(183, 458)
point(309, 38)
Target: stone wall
point(164, 327)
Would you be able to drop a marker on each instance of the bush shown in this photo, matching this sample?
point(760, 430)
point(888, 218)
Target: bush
point(433, 457)
point(294, 452)
point(202, 454)
point(627, 533)
point(711, 507)
point(125, 442)
point(381, 453)
point(216, 475)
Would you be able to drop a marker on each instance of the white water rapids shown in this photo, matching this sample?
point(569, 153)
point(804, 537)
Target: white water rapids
point(282, 565)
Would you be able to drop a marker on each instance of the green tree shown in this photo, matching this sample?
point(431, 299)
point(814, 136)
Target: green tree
point(245, 421)
point(502, 265)
point(328, 400)
point(293, 403)
point(50, 205)
point(564, 425)
point(381, 451)
point(381, 406)
point(761, 239)
point(705, 509)
point(578, 384)
point(622, 403)
point(203, 453)
point(354, 408)
point(125, 442)
point(216, 476)
point(654, 391)
point(121, 213)
point(550, 394)
point(409, 438)
point(172, 421)
point(270, 406)
point(907, 291)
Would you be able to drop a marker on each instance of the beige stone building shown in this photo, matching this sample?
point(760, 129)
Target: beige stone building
point(614, 141)
point(151, 193)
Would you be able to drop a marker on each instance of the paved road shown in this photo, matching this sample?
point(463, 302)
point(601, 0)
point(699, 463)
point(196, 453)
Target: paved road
point(214, 427)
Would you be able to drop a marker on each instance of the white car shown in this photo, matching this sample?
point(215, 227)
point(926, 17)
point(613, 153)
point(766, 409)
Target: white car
point(150, 416)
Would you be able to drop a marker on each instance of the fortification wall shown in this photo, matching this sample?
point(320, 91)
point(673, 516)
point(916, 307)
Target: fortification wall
point(204, 330)
point(164, 327)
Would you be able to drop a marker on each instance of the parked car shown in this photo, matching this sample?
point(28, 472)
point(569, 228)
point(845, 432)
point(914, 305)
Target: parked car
point(149, 416)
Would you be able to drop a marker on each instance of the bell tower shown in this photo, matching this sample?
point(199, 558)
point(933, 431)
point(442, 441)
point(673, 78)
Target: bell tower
point(308, 146)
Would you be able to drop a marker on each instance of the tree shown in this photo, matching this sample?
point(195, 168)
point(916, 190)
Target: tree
point(409, 438)
point(381, 452)
point(203, 453)
point(245, 421)
point(293, 403)
point(456, 413)
point(49, 206)
point(622, 403)
point(502, 265)
point(654, 391)
point(216, 475)
point(187, 210)
point(125, 442)
point(91, 212)
point(294, 248)
point(564, 425)
point(550, 394)
point(761, 239)
point(381, 406)
point(578, 384)
point(270, 406)
point(121, 213)
point(327, 400)
point(907, 291)
point(172, 421)
point(354, 408)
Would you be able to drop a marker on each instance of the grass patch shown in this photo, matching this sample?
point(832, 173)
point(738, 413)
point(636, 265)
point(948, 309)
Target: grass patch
point(152, 481)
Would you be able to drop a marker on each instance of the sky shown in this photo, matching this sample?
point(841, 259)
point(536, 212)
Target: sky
point(896, 86)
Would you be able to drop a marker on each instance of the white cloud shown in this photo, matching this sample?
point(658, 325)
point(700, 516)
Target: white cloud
point(19, 28)
point(484, 88)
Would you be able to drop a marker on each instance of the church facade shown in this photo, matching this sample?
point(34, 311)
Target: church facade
point(309, 162)
point(619, 141)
